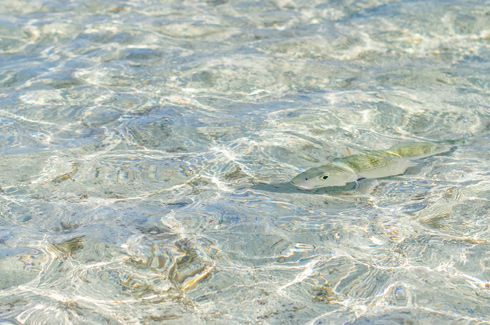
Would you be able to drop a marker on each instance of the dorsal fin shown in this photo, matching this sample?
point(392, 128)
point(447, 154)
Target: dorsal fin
point(352, 151)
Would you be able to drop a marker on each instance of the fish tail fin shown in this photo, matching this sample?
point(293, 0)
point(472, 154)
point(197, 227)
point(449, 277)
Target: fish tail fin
point(458, 142)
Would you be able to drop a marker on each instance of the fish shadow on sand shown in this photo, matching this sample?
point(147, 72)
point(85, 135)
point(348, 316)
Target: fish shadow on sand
point(287, 187)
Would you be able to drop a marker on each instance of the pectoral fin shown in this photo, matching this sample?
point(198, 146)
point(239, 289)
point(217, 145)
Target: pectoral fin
point(368, 186)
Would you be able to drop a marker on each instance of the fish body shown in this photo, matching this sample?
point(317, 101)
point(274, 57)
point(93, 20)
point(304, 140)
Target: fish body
point(371, 164)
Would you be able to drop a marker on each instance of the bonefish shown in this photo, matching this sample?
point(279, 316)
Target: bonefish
point(371, 164)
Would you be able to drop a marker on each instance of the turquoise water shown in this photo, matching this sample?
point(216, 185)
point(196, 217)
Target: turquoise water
point(147, 148)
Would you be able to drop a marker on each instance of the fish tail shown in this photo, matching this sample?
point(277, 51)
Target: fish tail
point(458, 142)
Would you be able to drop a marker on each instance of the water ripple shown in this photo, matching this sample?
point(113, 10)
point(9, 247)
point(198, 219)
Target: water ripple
point(148, 147)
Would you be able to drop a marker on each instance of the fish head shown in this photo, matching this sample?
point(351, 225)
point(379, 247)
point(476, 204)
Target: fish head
point(323, 176)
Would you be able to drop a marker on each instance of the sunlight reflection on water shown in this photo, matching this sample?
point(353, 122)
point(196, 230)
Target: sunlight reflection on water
point(147, 150)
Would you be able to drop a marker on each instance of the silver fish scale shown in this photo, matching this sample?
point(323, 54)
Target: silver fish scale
point(368, 161)
point(418, 149)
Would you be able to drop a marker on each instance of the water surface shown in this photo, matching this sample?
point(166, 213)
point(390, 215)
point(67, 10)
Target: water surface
point(147, 148)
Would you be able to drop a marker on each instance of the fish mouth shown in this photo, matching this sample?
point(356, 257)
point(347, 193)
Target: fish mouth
point(304, 187)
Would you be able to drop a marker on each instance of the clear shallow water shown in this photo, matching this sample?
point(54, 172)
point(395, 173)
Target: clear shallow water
point(147, 148)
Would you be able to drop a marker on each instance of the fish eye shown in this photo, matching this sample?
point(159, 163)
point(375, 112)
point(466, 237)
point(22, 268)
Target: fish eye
point(324, 177)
